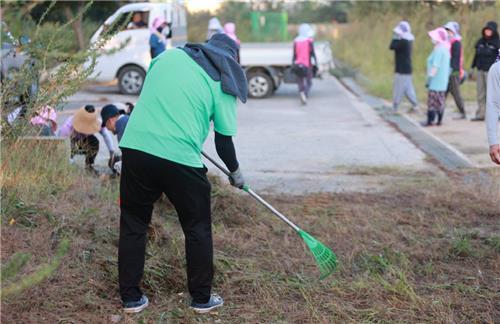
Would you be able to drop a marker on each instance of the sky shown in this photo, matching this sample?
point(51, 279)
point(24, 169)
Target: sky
point(199, 5)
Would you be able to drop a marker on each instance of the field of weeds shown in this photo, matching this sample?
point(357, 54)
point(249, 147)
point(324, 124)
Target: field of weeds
point(427, 250)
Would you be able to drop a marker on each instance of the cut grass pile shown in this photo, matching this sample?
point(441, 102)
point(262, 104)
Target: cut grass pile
point(425, 251)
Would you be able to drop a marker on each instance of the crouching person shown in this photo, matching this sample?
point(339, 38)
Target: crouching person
point(161, 150)
point(115, 120)
point(81, 129)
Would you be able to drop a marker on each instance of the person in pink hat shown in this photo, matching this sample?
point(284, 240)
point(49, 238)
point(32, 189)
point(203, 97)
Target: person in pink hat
point(45, 121)
point(438, 74)
point(158, 38)
point(230, 30)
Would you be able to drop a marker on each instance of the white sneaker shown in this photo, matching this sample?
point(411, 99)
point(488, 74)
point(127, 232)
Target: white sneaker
point(303, 98)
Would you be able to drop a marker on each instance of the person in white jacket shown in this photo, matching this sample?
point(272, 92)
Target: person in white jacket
point(493, 110)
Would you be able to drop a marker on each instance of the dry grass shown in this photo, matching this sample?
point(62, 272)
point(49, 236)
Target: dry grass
point(425, 252)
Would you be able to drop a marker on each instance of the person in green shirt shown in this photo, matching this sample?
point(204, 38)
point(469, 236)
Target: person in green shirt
point(185, 91)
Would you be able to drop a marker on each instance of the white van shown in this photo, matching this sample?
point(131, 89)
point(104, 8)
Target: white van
point(130, 63)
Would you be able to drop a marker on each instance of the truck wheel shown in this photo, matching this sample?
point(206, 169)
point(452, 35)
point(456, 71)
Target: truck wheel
point(131, 79)
point(260, 85)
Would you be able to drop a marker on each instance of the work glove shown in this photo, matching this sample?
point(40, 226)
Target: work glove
point(118, 167)
point(113, 158)
point(236, 179)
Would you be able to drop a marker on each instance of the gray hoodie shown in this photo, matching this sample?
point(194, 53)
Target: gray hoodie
point(493, 103)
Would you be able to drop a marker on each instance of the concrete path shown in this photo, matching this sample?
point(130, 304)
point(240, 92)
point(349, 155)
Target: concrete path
point(283, 146)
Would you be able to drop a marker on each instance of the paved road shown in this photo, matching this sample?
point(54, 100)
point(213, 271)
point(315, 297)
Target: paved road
point(284, 146)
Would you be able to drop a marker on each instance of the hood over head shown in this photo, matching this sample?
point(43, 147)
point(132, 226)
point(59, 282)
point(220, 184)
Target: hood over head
point(403, 30)
point(305, 32)
point(493, 26)
point(218, 58)
point(439, 36)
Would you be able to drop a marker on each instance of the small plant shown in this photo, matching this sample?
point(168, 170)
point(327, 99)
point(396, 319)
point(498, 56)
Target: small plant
point(494, 242)
point(461, 247)
point(43, 272)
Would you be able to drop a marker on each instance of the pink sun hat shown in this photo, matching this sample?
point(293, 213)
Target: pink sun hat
point(440, 37)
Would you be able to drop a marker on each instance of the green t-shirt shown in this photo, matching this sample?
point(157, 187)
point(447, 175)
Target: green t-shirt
point(172, 117)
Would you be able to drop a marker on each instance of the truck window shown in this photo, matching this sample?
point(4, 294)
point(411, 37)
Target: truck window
point(138, 20)
point(126, 21)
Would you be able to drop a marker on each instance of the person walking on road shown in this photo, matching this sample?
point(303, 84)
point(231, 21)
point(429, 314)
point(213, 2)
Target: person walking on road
point(486, 52)
point(457, 66)
point(161, 149)
point(157, 40)
point(401, 44)
point(303, 54)
point(438, 73)
point(230, 30)
point(493, 110)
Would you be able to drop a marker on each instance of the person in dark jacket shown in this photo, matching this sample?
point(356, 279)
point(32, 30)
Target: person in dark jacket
point(486, 52)
point(401, 44)
point(457, 69)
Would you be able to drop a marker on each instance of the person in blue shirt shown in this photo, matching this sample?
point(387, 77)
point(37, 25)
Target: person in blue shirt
point(438, 74)
point(115, 121)
point(157, 40)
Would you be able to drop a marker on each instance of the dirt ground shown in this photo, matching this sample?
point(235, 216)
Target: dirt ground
point(426, 249)
point(466, 136)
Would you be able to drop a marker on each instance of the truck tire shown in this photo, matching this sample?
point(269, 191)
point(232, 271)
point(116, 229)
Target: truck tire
point(260, 85)
point(130, 80)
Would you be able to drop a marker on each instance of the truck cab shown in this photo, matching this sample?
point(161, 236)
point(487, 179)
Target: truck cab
point(126, 56)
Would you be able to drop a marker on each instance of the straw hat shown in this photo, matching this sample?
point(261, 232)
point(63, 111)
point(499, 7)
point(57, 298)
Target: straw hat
point(85, 121)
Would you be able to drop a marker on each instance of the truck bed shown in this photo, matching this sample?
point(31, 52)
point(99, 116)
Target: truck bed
point(280, 54)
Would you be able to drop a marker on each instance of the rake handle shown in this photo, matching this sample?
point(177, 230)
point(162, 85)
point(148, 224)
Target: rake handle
point(254, 195)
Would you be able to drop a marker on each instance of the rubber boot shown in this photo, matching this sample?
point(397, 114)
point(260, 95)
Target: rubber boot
point(431, 115)
point(440, 118)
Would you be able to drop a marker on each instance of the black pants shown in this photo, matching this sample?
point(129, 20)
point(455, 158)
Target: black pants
point(454, 88)
point(144, 178)
point(88, 145)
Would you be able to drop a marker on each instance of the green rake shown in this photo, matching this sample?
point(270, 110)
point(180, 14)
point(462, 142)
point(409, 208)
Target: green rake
point(324, 257)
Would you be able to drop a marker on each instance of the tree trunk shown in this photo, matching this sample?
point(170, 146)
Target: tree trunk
point(77, 24)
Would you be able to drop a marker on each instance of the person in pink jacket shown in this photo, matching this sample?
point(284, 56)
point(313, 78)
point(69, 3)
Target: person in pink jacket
point(303, 55)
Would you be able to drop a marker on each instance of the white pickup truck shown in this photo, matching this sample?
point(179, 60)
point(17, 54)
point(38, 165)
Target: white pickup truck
point(267, 65)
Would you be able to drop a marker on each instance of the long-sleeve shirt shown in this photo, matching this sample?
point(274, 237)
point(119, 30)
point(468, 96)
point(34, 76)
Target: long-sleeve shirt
point(456, 53)
point(493, 103)
point(439, 60)
point(402, 55)
point(156, 44)
point(67, 130)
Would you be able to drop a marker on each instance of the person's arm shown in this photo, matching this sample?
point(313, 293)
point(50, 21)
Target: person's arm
point(493, 111)
point(294, 53)
point(226, 151)
point(474, 60)
point(395, 44)
point(106, 135)
point(455, 57)
point(224, 119)
point(313, 54)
